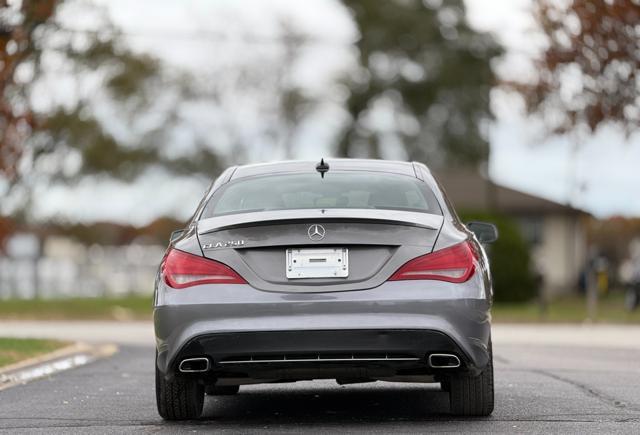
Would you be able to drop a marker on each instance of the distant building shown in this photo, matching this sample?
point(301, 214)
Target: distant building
point(556, 232)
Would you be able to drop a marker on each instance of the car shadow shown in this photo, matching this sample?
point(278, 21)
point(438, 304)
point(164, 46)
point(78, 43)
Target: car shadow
point(341, 404)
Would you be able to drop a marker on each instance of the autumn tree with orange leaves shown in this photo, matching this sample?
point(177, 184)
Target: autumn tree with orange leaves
point(589, 74)
point(17, 27)
point(30, 33)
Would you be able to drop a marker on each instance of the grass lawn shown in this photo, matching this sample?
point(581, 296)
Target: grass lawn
point(567, 310)
point(17, 349)
point(126, 308)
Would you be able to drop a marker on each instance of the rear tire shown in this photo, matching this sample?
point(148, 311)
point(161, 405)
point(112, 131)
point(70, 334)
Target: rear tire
point(221, 390)
point(473, 396)
point(178, 398)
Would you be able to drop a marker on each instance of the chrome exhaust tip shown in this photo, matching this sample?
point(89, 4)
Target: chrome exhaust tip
point(194, 365)
point(443, 361)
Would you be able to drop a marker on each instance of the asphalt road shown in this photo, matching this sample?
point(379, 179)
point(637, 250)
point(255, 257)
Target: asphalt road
point(540, 388)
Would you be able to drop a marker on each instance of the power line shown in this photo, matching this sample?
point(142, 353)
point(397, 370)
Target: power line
point(248, 39)
point(213, 36)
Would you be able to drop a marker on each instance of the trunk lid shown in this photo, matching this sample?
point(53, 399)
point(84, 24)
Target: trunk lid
point(377, 241)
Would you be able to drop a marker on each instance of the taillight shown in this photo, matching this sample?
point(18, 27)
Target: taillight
point(454, 264)
point(180, 270)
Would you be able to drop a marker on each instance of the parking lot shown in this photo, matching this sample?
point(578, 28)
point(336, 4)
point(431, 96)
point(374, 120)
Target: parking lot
point(578, 379)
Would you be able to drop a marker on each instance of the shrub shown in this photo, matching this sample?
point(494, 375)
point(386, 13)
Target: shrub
point(513, 278)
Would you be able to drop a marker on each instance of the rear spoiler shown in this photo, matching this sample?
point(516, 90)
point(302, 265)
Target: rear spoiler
point(397, 217)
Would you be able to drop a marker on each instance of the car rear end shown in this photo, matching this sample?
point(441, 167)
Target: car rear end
point(361, 273)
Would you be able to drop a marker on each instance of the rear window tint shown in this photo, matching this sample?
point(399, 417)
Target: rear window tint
point(361, 190)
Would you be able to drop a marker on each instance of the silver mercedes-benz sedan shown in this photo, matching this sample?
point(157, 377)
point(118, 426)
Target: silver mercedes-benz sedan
point(353, 270)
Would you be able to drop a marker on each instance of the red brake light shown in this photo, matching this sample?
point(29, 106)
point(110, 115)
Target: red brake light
point(454, 264)
point(180, 270)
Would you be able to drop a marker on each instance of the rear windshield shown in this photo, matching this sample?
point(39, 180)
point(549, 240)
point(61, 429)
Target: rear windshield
point(363, 190)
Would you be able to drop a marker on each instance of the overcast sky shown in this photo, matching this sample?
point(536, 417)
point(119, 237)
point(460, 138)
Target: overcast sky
point(602, 177)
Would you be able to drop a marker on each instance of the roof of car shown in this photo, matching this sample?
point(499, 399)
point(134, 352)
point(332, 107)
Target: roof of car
point(395, 167)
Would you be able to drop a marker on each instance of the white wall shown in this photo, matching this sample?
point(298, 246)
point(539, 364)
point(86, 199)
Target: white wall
point(69, 269)
point(561, 253)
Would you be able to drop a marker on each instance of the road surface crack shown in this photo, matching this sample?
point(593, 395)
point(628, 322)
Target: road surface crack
point(589, 391)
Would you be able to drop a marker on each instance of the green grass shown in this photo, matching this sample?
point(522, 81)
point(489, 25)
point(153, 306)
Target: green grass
point(13, 350)
point(126, 308)
point(571, 309)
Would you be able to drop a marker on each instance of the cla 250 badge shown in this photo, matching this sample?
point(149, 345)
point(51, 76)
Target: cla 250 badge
point(223, 244)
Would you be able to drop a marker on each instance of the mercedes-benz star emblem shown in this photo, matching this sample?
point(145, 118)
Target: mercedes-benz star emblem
point(316, 232)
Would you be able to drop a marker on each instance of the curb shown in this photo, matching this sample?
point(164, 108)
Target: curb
point(75, 355)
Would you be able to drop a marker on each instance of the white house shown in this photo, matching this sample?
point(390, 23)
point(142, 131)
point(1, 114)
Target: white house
point(556, 232)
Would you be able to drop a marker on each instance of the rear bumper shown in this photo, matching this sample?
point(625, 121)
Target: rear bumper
point(395, 318)
point(293, 354)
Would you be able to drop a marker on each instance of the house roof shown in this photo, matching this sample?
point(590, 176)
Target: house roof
point(468, 190)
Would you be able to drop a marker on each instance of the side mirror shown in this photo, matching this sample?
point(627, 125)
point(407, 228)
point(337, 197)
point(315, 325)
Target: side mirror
point(484, 231)
point(175, 235)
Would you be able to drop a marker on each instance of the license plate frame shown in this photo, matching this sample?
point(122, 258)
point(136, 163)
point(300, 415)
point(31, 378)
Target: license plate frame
point(304, 263)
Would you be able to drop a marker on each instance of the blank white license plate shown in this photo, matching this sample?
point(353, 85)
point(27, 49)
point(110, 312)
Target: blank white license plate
point(318, 263)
